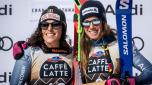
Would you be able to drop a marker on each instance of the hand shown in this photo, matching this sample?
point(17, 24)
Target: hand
point(18, 49)
point(113, 81)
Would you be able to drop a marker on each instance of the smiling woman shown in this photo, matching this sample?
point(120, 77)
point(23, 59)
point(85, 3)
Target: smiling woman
point(48, 57)
point(100, 59)
point(51, 32)
point(51, 29)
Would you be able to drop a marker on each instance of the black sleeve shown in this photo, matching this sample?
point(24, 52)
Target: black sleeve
point(144, 66)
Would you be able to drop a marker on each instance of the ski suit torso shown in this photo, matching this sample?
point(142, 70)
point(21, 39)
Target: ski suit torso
point(39, 68)
point(102, 63)
point(101, 66)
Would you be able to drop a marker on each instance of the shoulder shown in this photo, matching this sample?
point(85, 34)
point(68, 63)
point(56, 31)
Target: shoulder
point(113, 44)
point(114, 49)
point(29, 51)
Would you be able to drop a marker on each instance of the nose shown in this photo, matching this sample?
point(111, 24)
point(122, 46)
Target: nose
point(91, 25)
point(50, 27)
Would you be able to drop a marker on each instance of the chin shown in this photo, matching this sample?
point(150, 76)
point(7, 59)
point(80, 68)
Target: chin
point(94, 37)
point(49, 41)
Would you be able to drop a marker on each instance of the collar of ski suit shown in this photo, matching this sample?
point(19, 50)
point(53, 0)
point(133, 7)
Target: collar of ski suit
point(103, 41)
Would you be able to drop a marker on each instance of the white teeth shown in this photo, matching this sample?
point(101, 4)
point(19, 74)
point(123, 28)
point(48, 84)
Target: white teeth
point(50, 34)
point(93, 32)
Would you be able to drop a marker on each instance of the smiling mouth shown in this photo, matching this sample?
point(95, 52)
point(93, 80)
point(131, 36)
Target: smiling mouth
point(50, 34)
point(93, 32)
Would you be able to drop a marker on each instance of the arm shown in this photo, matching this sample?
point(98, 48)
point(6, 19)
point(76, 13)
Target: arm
point(22, 68)
point(18, 49)
point(143, 65)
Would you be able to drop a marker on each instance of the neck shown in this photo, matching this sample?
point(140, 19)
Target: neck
point(52, 45)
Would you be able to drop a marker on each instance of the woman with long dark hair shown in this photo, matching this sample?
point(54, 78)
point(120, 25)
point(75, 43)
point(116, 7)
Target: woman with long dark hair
point(48, 58)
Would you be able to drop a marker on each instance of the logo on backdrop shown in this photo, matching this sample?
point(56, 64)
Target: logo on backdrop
point(138, 42)
point(6, 43)
point(137, 9)
point(5, 77)
point(39, 10)
point(6, 9)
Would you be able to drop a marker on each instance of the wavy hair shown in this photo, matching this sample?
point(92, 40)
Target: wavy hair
point(36, 39)
point(86, 45)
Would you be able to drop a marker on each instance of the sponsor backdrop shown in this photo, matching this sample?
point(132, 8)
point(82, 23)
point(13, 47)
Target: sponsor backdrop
point(19, 18)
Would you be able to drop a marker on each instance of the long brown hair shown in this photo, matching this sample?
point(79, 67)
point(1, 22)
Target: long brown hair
point(86, 45)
